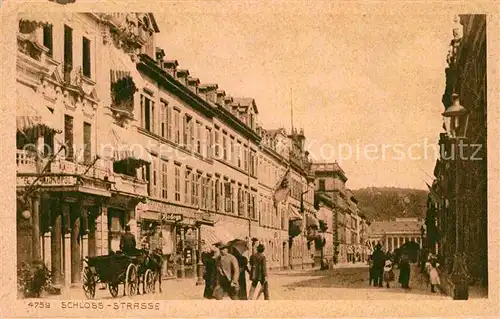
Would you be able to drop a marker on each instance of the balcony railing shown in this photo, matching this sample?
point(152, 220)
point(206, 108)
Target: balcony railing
point(101, 170)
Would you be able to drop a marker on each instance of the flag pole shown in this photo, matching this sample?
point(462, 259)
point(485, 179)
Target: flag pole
point(291, 112)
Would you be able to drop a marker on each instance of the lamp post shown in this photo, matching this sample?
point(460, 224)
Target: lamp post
point(456, 122)
point(199, 264)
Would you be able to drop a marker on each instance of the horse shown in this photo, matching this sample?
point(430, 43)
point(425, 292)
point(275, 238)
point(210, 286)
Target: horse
point(153, 261)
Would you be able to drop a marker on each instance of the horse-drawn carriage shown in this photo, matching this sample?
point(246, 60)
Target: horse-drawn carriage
point(118, 268)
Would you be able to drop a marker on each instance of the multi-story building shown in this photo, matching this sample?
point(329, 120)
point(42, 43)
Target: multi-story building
point(273, 163)
point(392, 234)
point(80, 193)
point(457, 212)
point(330, 181)
point(139, 141)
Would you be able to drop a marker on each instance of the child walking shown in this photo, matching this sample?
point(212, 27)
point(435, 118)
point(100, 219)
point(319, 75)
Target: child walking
point(434, 275)
point(388, 273)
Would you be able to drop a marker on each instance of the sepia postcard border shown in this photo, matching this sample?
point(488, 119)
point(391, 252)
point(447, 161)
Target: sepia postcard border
point(11, 307)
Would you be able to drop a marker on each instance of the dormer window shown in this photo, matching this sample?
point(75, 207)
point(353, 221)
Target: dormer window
point(146, 22)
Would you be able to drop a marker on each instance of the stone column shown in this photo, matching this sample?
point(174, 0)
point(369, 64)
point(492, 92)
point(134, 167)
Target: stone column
point(35, 227)
point(181, 266)
point(75, 247)
point(386, 244)
point(56, 246)
point(65, 208)
point(84, 215)
point(399, 243)
point(92, 234)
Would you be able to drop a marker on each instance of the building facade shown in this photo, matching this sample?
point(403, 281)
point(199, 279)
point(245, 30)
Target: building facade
point(457, 211)
point(129, 138)
point(347, 228)
point(393, 234)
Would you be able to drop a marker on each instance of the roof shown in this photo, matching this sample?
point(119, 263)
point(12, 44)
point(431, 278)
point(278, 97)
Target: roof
point(408, 226)
point(246, 102)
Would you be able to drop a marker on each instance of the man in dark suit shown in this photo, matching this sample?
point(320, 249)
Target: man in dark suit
point(227, 274)
point(258, 273)
point(127, 242)
point(378, 265)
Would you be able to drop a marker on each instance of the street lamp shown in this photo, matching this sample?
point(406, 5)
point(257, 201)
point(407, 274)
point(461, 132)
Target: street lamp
point(456, 122)
point(199, 265)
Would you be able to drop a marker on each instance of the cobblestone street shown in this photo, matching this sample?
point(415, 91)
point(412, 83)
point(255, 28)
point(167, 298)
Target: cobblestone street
point(347, 282)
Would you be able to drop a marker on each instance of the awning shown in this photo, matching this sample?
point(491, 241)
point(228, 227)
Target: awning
point(293, 213)
point(312, 221)
point(122, 145)
point(33, 115)
point(211, 235)
point(116, 75)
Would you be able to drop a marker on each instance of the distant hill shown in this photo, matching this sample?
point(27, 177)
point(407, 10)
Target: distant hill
point(384, 203)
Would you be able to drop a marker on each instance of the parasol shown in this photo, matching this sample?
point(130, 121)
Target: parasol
point(239, 245)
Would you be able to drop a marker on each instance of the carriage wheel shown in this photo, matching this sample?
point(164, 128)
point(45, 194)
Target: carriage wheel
point(113, 289)
point(131, 280)
point(149, 281)
point(88, 283)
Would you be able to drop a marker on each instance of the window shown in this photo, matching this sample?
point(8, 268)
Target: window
point(211, 196)
point(253, 210)
point(227, 196)
point(238, 151)
point(245, 158)
point(231, 154)
point(218, 194)
point(187, 186)
point(147, 113)
point(48, 144)
point(163, 119)
point(68, 49)
point(208, 134)
point(217, 145)
point(177, 126)
point(240, 201)
point(68, 137)
point(224, 146)
point(196, 179)
point(87, 147)
point(48, 39)
point(188, 131)
point(198, 137)
point(321, 184)
point(177, 183)
point(251, 121)
point(164, 180)
point(154, 178)
point(86, 64)
point(168, 115)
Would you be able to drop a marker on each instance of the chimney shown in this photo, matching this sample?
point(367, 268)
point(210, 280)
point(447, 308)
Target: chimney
point(210, 91)
point(182, 75)
point(228, 100)
point(171, 66)
point(160, 55)
point(193, 83)
point(221, 94)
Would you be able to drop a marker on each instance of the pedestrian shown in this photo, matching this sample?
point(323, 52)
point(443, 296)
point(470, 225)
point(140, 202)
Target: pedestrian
point(370, 271)
point(434, 275)
point(242, 280)
point(378, 265)
point(388, 273)
point(404, 271)
point(258, 273)
point(227, 274)
point(210, 274)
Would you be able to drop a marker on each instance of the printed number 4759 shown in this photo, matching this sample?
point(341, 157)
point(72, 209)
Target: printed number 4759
point(39, 304)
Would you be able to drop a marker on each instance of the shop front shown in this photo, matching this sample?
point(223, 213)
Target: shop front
point(66, 207)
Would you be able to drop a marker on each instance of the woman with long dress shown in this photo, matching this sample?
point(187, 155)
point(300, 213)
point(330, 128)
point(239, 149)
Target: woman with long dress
point(404, 272)
point(242, 281)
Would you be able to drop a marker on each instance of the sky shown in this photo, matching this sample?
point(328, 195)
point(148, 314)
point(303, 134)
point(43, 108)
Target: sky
point(355, 82)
